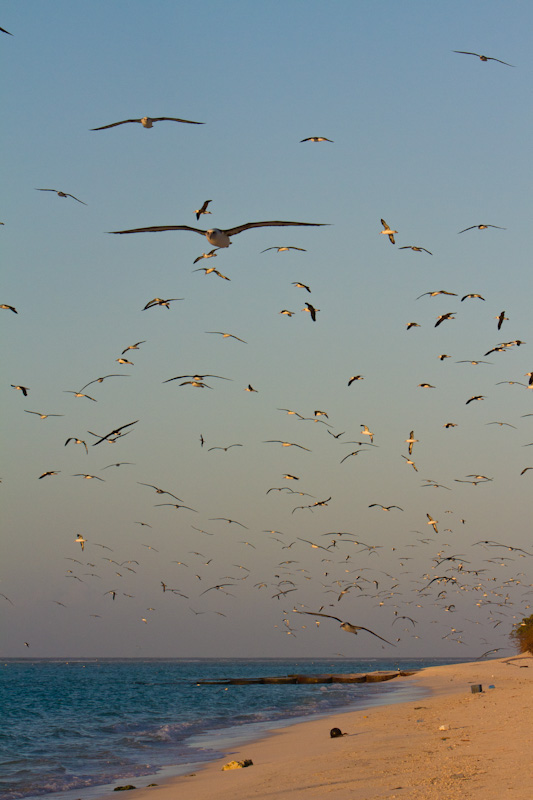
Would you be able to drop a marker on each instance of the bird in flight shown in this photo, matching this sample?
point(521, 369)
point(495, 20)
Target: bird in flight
point(411, 441)
point(228, 336)
point(443, 317)
point(388, 232)
point(384, 508)
point(284, 249)
point(196, 378)
point(102, 379)
point(471, 297)
point(286, 444)
point(355, 452)
point(483, 58)
point(77, 441)
point(43, 416)
point(312, 310)
point(7, 307)
point(211, 254)
point(474, 363)
point(316, 139)
point(158, 301)
point(501, 319)
point(482, 228)
point(416, 249)
point(229, 521)
point(80, 394)
point(160, 491)
point(177, 506)
point(209, 270)
point(131, 347)
point(146, 122)
point(435, 294)
point(301, 286)
point(346, 626)
point(216, 236)
point(291, 412)
point(115, 431)
point(61, 194)
point(23, 389)
point(367, 432)
point(432, 522)
point(203, 209)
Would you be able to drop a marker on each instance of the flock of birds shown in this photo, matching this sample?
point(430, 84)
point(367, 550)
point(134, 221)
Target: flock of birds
point(332, 565)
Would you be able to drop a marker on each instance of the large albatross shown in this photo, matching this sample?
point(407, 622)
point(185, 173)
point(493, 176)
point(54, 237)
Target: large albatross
point(147, 122)
point(345, 626)
point(216, 236)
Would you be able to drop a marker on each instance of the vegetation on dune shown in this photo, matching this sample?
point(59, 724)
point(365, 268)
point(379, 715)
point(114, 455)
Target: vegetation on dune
point(522, 635)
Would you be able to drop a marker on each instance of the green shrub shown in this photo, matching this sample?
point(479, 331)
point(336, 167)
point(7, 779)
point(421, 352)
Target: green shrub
point(522, 635)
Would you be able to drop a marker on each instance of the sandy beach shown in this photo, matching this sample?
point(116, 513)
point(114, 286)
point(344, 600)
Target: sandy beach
point(453, 745)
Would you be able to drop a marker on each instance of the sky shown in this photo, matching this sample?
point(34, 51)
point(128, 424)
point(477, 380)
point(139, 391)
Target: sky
point(433, 142)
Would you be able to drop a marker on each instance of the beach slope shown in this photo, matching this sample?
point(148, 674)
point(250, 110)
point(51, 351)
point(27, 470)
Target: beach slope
point(452, 745)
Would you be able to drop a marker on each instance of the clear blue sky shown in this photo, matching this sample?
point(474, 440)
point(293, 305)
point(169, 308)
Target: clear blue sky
point(431, 141)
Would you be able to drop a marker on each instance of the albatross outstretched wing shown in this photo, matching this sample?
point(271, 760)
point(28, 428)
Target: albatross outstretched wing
point(247, 225)
point(157, 228)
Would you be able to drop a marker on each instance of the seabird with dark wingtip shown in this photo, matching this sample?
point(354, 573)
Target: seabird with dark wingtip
point(435, 294)
point(471, 297)
point(77, 441)
point(158, 301)
point(415, 248)
point(286, 444)
point(482, 228)
point(312, 310)
point(211, 254)
point(147, 122)
point(228, 336)
point(23, 389)
point(482, 58)
point(216, 236)
point(43, 416)
point(62, 194)
point(388, 232)
point(284, 249)
point(203, 209)
point(345, 626)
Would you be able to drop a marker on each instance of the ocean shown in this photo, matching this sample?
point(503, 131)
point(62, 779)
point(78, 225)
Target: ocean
point(74, 729)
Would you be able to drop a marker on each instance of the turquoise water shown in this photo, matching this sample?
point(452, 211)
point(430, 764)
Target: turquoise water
point(72, 725)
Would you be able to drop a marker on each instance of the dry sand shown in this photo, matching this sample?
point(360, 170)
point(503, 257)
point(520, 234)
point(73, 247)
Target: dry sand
point(451, 745)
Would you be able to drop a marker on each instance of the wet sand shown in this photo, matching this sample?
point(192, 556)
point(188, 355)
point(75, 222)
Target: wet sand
point(452, 745)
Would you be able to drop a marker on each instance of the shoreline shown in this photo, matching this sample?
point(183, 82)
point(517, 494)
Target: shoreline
point(219, 743)
point(447, 741)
